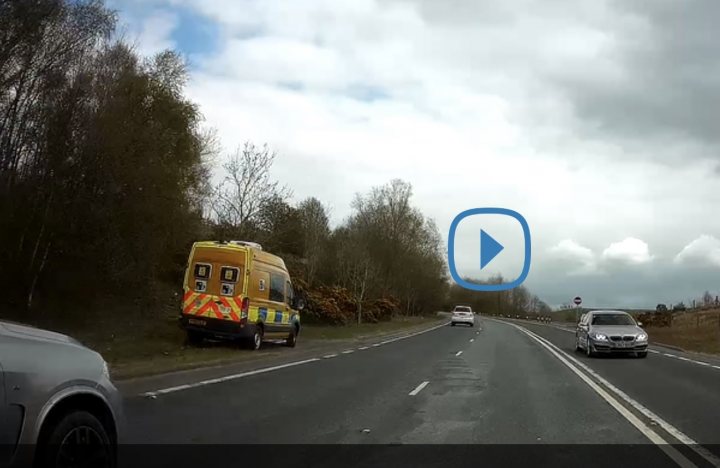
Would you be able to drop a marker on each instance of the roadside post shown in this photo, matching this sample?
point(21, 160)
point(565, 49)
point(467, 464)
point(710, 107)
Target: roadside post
point(577, 301)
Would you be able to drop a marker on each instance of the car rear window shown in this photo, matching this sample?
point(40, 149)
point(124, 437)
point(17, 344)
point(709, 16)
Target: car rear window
point(462, 309)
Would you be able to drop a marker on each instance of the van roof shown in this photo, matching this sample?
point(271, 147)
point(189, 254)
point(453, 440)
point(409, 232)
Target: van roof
point(257, 253)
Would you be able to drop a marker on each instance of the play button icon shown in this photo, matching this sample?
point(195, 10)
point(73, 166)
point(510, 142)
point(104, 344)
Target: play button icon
point(489, 248)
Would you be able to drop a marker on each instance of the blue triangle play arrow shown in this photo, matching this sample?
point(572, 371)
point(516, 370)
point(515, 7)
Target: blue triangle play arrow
point(489, 248)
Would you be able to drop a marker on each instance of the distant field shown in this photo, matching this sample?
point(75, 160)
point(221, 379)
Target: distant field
point(693, 331)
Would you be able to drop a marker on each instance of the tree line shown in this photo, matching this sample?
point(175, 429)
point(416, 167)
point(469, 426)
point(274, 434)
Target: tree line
point(516, 301)
point(104, 175)
point(385, 249)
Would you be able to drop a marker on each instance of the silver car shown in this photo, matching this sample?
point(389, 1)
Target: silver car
point(610, 331)
point(57, 404)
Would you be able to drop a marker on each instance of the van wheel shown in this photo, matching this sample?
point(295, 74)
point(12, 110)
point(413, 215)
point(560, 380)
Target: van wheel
point(256, 339)
point(77, 439)
point(291, 340)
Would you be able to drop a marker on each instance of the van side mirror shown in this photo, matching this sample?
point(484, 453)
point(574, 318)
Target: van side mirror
point(299, 303)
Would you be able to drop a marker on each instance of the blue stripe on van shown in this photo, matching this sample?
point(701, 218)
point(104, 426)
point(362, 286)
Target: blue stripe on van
point(278, 316)
point(263, 313)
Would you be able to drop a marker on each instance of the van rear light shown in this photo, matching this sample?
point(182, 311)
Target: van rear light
point(245, 307)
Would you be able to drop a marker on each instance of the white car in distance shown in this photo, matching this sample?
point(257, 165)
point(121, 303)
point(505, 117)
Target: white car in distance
point(464, 315)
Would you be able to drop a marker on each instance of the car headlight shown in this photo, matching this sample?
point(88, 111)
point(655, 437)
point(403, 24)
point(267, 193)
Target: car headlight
point(599, 337)
point(642, 337)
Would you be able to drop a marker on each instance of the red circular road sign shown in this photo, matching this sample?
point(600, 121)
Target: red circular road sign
point(577, 300)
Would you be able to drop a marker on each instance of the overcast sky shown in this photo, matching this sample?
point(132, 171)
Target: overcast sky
point(597, 120)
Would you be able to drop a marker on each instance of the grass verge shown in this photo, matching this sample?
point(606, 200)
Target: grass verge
point(701, 340)
point(139, 349)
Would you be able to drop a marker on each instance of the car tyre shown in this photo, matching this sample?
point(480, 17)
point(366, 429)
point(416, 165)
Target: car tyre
point(642, 354)
point(452, 324)
point(77, 439)
point(291, 340)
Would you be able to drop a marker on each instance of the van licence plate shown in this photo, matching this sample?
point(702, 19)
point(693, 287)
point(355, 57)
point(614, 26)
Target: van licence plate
point(202, 323)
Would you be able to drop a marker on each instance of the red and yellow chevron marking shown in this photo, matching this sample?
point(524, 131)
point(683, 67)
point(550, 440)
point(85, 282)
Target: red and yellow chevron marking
point(199, 304)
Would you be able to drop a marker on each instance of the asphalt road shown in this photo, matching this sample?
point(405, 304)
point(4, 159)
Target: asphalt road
point(521, 398)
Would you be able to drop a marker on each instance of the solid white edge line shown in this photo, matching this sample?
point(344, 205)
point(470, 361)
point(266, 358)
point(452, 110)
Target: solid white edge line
point(202, 383)
point(419, 388)
point(675, 356)
point(458, 353)
point(644, 429)
point(666, 426)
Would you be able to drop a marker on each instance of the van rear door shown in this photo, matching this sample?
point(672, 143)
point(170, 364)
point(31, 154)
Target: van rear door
point(216, 279)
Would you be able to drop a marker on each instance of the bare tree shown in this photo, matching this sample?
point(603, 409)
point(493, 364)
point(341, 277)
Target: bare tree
point(356, 266)
point(247, 188)
point(315, 225)
point(707, 299)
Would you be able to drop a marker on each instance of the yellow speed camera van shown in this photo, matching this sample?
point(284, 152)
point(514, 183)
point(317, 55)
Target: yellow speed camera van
point(236, 290)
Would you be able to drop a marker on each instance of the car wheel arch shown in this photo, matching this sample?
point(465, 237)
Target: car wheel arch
point(76, 398)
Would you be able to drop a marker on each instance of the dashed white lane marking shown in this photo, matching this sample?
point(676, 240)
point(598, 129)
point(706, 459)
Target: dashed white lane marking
point(348, 351)
point(226, 378)
point(375, 345)
point(683, 358)
point(419, 388)
point(362, 348)
point(654, 418)
point(472, 339)
point(392, 340)
point(458, 353)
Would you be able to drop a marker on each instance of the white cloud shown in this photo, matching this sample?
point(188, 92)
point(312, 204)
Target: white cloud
point(153, 33)
point(629, 251)
point(703, 251)
point(581, 258)
point(461, 102)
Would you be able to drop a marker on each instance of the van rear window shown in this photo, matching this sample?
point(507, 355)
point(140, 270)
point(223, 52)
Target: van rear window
point(229, 274)
point(202, 270)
